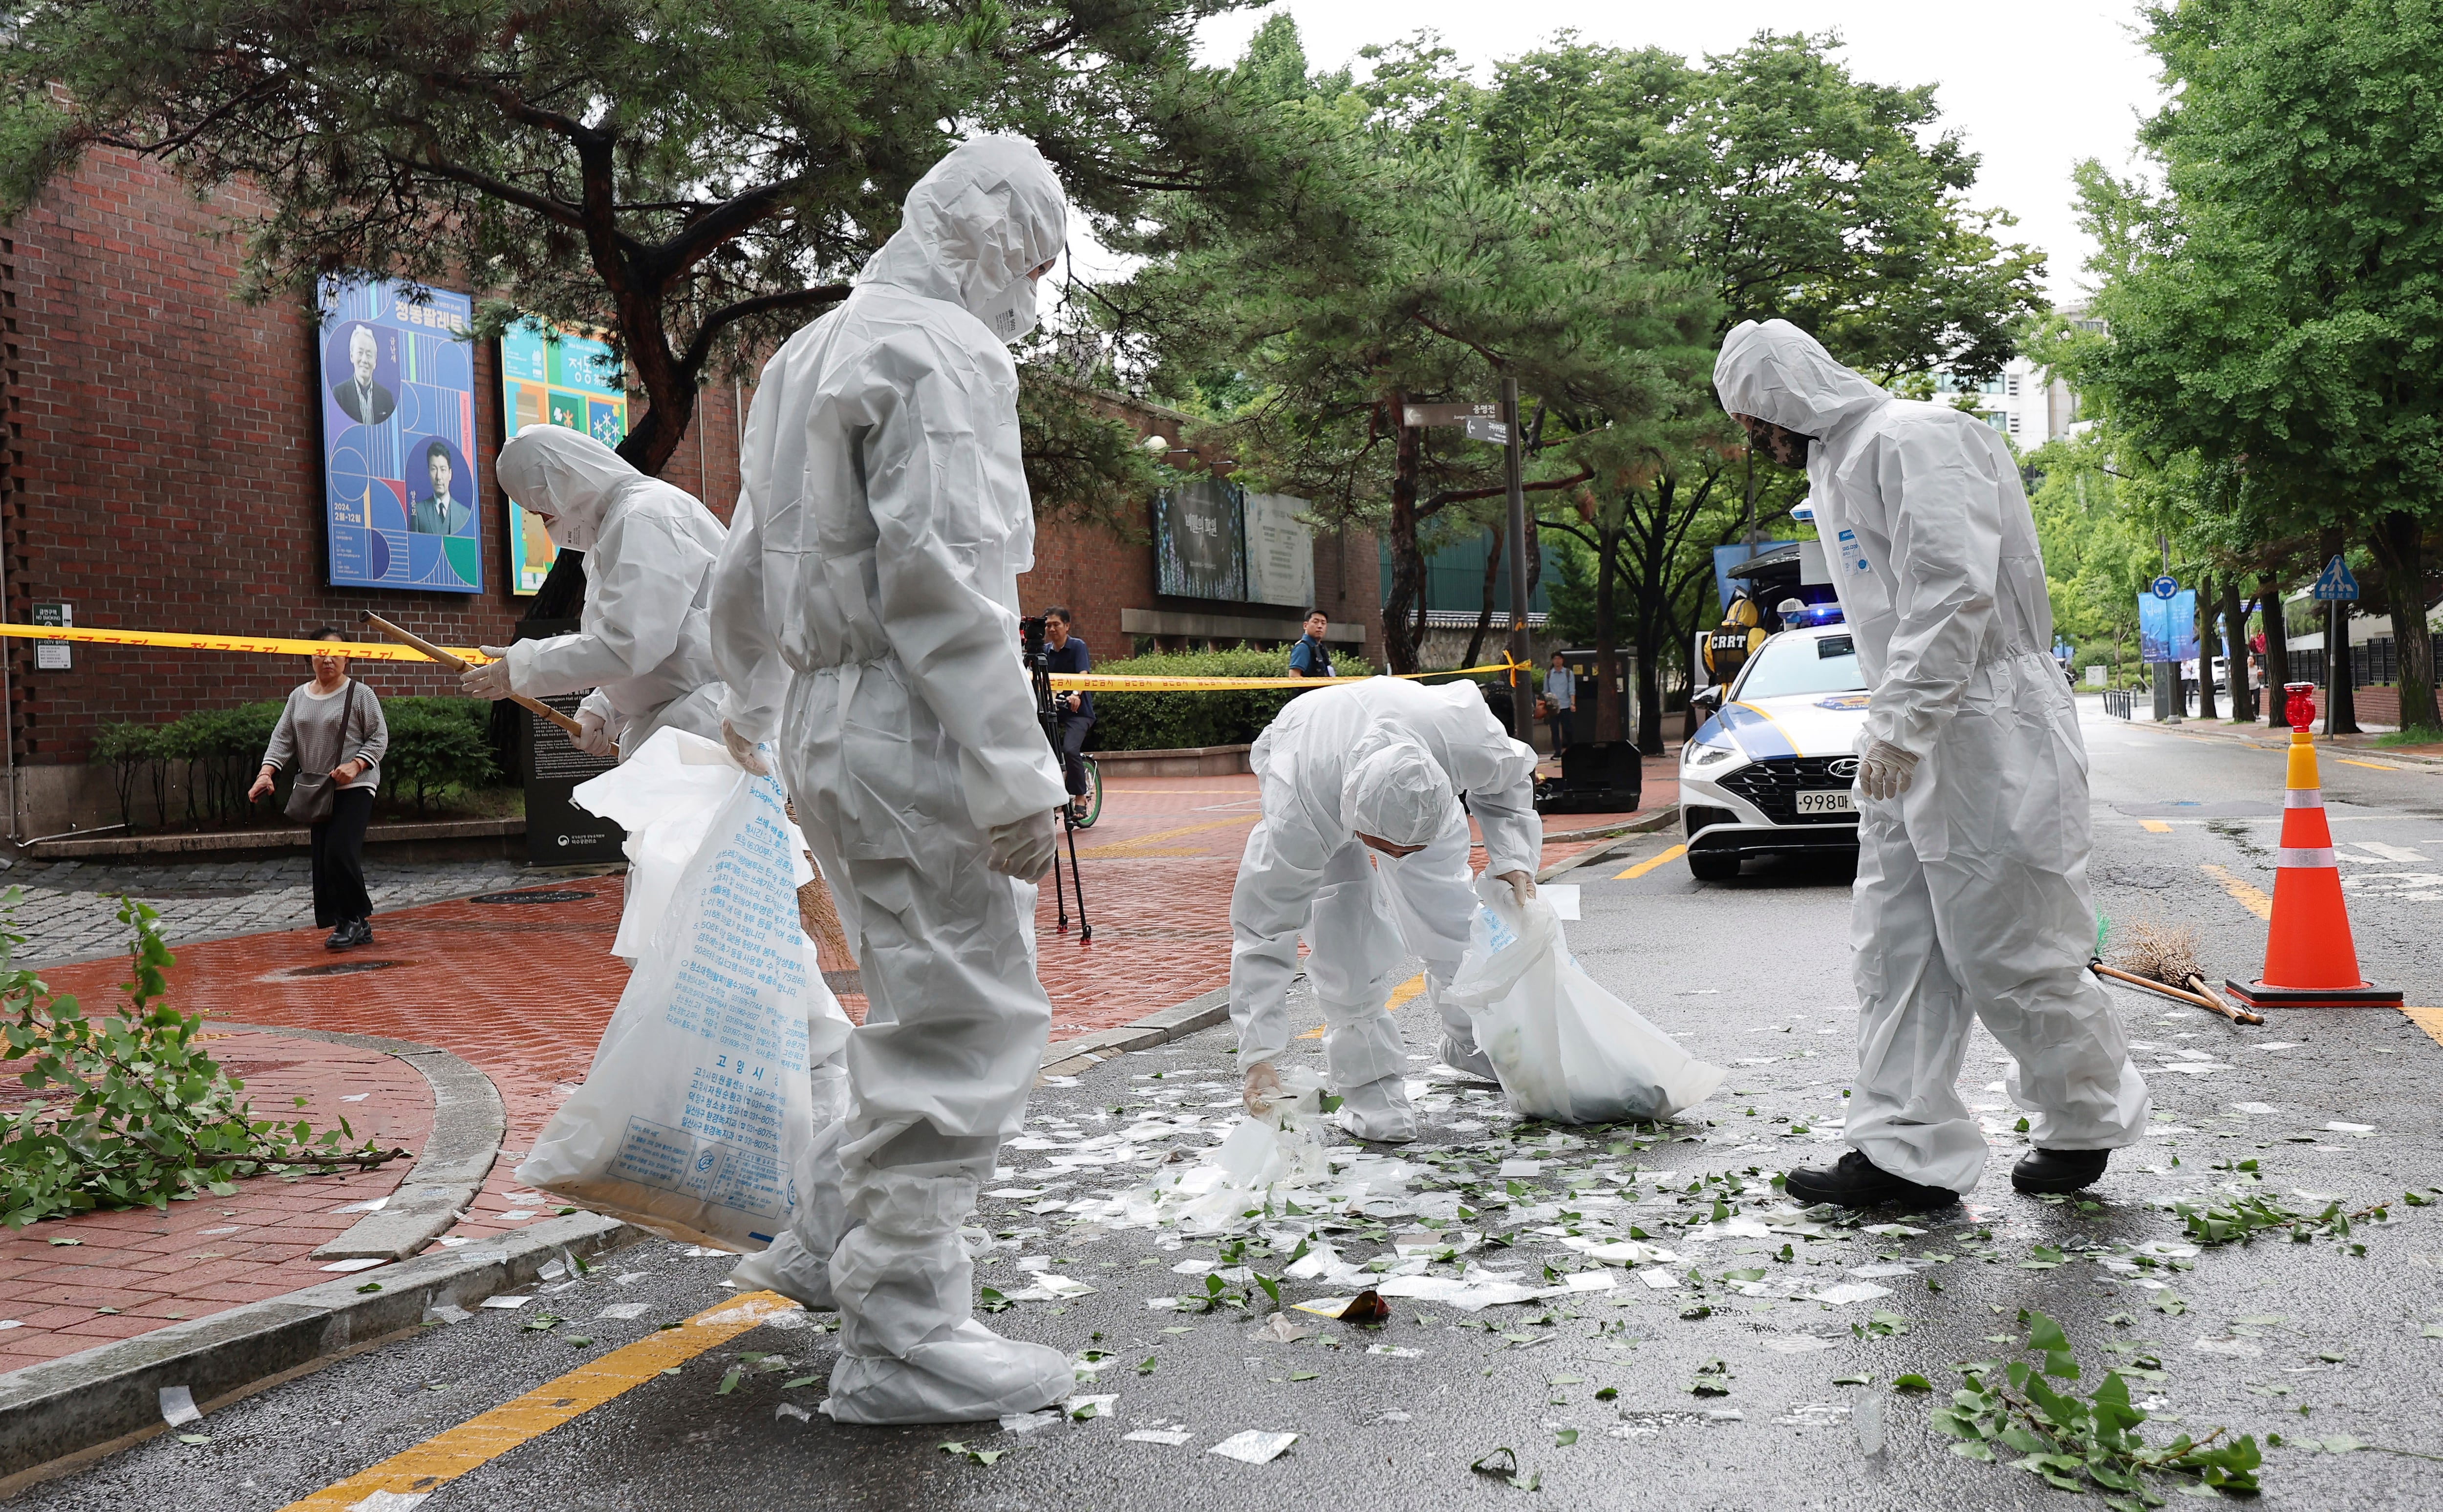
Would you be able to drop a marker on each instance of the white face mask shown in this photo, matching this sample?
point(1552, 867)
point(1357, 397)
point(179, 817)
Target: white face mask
point(1011, 313)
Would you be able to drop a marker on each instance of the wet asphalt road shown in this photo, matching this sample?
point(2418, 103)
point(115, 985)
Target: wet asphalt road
point(2304, 1340)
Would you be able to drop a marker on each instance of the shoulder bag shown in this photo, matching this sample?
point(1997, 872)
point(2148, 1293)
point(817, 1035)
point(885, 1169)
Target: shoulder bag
point(310, 796)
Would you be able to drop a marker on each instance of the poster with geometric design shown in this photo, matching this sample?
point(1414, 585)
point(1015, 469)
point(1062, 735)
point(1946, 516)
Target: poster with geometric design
point(550, 375)
point(398, 425)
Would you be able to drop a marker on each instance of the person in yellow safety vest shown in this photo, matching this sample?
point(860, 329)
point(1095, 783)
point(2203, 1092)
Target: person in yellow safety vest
point(1731, 642)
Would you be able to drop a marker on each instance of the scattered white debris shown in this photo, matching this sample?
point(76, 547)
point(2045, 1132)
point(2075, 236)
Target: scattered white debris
point(178, 1407)
point(1172, 1436)
point(507, 1304)
point(1254, 1447)
point(1847, 1292)
point(351, 1266)
point(625, 1311)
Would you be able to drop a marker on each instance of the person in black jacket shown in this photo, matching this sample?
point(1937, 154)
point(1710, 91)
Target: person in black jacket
point(1064, 653)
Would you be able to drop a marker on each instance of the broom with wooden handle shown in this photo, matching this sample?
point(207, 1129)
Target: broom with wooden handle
point(2162, 958)
point(415, 642)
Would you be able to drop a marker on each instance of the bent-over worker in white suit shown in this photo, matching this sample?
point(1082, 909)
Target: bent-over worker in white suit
point(1363, 846)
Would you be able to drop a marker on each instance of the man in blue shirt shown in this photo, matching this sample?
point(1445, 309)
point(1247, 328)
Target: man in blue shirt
point(1560, 700)
point(1064, 653)
point(1308, 658)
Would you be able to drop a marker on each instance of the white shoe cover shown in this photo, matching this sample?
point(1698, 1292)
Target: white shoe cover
point(973, 1375)
point(1380, 1111)
point(1469, 1059)
point(788, 1268)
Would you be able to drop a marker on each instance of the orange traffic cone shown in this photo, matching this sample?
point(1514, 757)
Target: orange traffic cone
point(2309, 960)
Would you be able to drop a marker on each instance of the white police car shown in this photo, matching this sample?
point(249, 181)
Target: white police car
point(1771, 771)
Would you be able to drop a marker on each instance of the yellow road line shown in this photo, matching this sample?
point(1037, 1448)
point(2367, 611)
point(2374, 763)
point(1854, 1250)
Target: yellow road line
point(2429, 1019)
point(447, 1455)
point(1124, 846)
point(1649, 863)
point(1406, 992)
point(2253, 898)
point(2154, 826)
point(2371, 766)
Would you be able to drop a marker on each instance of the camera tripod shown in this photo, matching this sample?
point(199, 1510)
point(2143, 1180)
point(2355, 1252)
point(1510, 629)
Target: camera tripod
point(1047, 713)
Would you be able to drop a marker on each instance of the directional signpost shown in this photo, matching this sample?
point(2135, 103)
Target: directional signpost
point(2334, 586)
point(1418, 417)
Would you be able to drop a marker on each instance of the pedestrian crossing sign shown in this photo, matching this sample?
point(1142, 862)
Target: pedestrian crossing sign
point(2335, 582)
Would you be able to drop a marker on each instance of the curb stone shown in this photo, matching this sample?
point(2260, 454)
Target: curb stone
point(1208, 1009)
point(111, 1392)
point(469, 1123)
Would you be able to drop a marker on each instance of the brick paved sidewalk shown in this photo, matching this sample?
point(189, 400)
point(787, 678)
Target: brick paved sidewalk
point(130, 1273)
point(70, 909)
point(523, 991)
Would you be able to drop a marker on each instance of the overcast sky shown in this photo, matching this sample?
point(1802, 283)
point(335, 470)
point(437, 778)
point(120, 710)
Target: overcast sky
point(2032, 88)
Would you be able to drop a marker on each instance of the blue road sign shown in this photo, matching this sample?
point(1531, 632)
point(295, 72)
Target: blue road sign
point(2335, 582)
point(2165, 586)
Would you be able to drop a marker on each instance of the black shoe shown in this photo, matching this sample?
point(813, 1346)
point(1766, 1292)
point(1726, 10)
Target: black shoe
point(362, 932)
point(2043, 1171)
point(1858, 1182)
point(339, 939)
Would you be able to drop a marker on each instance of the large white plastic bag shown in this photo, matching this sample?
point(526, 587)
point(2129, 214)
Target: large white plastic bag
point(698, 1106)
point(1565, 1048)
point(664, 796)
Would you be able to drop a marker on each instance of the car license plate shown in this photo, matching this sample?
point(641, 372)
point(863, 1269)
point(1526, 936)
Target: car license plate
point(1835, 800)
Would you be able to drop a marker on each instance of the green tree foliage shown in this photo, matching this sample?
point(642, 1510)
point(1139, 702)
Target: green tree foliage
point(2098, 557)
point(695, 177)
point(129, 1110)
point(2276, 308)
point(1404, 272)
point(1589, 221)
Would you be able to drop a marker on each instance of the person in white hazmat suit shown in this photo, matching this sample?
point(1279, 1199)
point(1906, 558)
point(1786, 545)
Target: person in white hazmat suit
point(644, 645)
point(1972, 829)
point(865, 614)
point(1363, 846)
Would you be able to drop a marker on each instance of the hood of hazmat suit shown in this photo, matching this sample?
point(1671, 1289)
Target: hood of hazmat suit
point(865, 614)
point(645, 644)
point(1972, 886)
point(1386, 757)
point(1399, 792)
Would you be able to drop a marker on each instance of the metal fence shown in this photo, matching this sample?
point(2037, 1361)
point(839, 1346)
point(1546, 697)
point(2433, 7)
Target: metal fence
point(2116, 702)
point(2375, 664)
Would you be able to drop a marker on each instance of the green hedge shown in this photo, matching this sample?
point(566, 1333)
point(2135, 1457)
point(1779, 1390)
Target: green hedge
point(437, 746)
point(1172, 721)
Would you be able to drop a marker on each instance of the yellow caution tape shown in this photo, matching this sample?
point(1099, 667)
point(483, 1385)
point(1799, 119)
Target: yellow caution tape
point(269, 646)
point(387, 651)
point(1111, 683)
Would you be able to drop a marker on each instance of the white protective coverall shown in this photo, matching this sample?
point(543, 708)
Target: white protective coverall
point(865, 614)
point(1385, 758)
point(1971, 894)
point(646, 644)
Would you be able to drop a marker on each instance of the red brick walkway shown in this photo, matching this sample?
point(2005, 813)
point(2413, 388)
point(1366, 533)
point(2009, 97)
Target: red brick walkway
point(130, 1273)
point(523, 991)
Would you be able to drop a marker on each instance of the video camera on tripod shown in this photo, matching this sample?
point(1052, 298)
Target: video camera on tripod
point(1034, 651)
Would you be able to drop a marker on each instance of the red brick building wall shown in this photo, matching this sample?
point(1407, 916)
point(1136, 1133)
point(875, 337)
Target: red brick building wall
point(162, 471)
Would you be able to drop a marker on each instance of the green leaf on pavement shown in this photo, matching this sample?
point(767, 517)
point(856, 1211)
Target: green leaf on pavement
point(729, 1380)
point(1911, 1383)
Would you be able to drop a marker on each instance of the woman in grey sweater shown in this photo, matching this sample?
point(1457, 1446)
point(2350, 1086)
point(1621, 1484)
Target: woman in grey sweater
point(334, 725)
